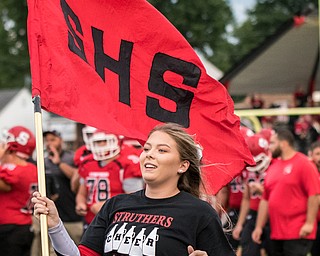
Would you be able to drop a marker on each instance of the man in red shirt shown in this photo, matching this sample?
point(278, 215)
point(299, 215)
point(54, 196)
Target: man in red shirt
point(290, 198)
point(315, 157)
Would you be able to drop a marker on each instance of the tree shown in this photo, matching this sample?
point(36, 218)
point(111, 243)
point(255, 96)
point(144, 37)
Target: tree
point(14, 58)
point(203, 23)
point(263, 20)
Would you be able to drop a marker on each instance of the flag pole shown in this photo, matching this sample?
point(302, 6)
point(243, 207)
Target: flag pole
point(41, 173)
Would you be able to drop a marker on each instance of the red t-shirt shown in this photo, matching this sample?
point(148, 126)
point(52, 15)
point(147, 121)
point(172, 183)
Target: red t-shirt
point(288, 185)
point(235, 193)
point(104, 182)
point(16, 207)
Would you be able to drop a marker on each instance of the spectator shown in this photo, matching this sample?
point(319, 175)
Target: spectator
point(305, 133)
point(256, 101)
point(300, 98)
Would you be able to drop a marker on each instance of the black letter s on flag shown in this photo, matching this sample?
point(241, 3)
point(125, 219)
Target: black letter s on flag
point(183, 98)
point(72, 36)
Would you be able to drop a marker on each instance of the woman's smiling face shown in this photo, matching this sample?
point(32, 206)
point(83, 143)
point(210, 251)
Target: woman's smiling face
point(160, 160)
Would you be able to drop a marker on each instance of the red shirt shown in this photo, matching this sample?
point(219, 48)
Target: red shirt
point(288, 185)
point(81, 155)
point(104, 182)
point(16, 207)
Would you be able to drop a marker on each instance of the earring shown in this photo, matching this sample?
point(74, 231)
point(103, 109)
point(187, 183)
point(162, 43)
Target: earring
point(180, 171)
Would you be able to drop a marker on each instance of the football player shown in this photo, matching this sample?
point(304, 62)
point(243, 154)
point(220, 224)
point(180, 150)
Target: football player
point(112, 171)
point(230, 196)
point(18, 180)
point(253, 188)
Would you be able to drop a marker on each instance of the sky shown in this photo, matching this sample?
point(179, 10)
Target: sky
point(239, 8)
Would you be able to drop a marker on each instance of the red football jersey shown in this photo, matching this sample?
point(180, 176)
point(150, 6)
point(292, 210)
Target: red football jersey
point(254, 177)
point(104, 182)
point(235, 193)
point(81, 155)
point(288, 185)
point(16, 207)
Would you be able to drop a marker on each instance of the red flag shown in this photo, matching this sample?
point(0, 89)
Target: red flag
point(122, 67)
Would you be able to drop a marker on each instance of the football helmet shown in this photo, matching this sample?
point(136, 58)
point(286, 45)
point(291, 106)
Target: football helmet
point(19, 139)
point(246, 132)
point(87, 132)
point(123, 140)
point(104, 145)
point(266, 133)
point(258, 147)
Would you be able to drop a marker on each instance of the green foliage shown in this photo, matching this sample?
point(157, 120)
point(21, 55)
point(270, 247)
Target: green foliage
point(14, 58)
point(203, 24)
point(263, 20)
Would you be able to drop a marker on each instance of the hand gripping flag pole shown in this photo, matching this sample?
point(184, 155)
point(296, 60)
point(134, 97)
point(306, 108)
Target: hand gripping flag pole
point(41, 173)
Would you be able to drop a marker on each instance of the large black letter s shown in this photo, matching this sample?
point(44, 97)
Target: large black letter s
point(183, 98)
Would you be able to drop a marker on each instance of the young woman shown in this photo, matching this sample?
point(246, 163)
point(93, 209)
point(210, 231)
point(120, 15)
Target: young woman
point(166, 218)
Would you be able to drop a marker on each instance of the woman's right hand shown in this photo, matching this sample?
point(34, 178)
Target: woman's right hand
point(43, 205)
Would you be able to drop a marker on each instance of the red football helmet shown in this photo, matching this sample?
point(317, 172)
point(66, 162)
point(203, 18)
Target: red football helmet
point(246, 132)
point(87, 132)
point(104, 145)
point(258, 147)
point(129, 142)
point(20, 140)
point(266, 133)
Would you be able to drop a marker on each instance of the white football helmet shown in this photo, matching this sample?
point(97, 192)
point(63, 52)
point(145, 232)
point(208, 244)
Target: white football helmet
point(104, 145)
point(87, 132)
point(258, 147)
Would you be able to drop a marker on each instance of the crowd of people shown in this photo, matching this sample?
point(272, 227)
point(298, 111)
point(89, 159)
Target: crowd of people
point(113, 196)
